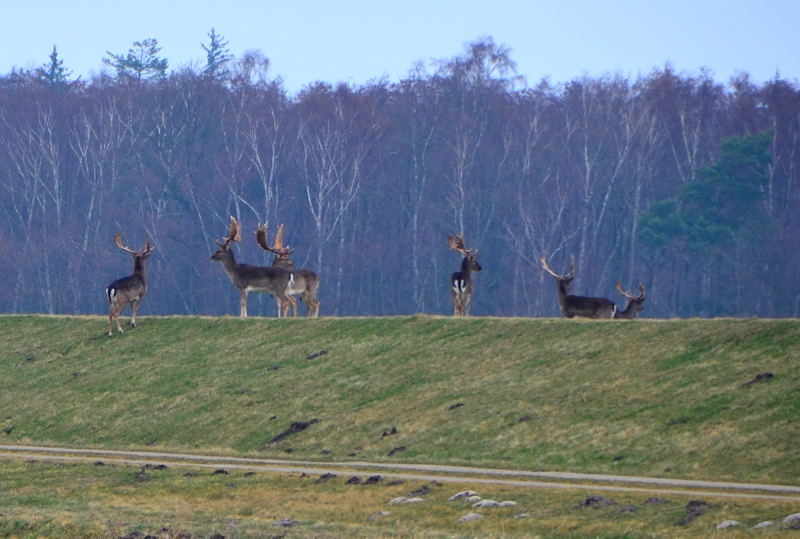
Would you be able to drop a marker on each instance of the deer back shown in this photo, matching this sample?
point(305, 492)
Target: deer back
point(588, 307)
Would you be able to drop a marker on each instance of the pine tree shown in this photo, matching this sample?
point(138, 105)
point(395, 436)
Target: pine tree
point(217, 57)
point(142, 61)
point(54, 73)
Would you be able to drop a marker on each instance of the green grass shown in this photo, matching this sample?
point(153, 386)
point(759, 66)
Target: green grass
point(667, 398)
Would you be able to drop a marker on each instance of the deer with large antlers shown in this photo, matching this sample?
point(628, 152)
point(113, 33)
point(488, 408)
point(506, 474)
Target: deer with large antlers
point(571, 306)
point(634, 306)
point(306, 282)
point(130, 289)
point(461, 287)
point(247, 278)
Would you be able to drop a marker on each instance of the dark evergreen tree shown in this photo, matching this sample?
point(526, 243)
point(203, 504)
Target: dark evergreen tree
point(217, 57)
point(142, 61)
point(55, 75)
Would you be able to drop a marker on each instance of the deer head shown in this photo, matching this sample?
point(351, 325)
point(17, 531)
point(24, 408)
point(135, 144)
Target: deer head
point(564, 281)
point(224, 245)
point(635, 302)
point(583, 306)
point(461, 287)
point(281, 253)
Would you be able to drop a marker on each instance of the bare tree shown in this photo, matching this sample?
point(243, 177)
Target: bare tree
point(337, 134)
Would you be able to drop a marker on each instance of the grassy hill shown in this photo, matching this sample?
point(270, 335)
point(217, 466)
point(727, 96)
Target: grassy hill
point(704, 399)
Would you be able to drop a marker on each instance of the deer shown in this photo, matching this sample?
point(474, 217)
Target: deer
point(246, 277)
point(461, 287)
point(130, 289)
point(306, 282)
point(571, 306)
point(634, 306)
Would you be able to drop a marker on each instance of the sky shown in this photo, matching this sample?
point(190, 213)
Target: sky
point(360, 41)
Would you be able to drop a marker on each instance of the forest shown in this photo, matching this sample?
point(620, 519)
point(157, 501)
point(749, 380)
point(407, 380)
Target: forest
point(675, 181)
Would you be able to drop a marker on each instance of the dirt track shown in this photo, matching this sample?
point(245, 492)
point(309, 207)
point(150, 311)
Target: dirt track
point(422, 472)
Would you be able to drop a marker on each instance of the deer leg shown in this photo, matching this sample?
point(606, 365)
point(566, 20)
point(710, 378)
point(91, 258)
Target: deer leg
point(111, 322)
point(292, 305)
point(282, 301)
point(465, 304)
point(458, 303)
point(134, 306)
point(306, 297)
point(116, 309)
point(243, 304)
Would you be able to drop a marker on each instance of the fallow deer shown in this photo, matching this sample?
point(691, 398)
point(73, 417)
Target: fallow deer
point(306, 282)
point(246, 277)
point(461, 287)
point(571, 306)
point(634, 306)
point(130, 289)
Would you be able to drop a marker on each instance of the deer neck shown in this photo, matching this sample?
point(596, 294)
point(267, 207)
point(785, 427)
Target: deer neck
point(229, 264)
point(466, 270)
point(563, 292)
point(631, 310)
point(140, 266)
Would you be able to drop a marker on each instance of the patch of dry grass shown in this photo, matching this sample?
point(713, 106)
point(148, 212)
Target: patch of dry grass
point(84, 500)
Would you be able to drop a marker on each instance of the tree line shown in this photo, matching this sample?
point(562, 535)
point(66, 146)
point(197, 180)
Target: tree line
point(672, 180)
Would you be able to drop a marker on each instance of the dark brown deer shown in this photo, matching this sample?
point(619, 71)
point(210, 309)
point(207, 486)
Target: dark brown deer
point(130, 289)
point(246, 277)
point(461, 286)
point(306, 282)
point(571, 306)
point(634, 306)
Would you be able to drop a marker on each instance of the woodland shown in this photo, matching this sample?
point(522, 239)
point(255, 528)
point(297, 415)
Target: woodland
point(675, 181)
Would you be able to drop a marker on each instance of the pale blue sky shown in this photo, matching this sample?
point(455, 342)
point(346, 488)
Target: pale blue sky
point(356, 41)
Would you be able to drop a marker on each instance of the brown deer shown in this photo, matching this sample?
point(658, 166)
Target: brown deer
point(306, 282)
point(461, 287)
point(130, 289)
point(246, 277)
point(634, 306)
point(583, 306)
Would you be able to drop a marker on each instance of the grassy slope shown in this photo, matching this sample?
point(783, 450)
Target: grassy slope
point(665, 398)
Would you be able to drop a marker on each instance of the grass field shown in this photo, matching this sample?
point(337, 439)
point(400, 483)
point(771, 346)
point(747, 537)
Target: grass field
point(688, 399)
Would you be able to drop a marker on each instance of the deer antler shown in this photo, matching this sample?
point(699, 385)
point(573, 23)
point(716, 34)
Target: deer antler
point(628, 294)
point(456, 242)
point(233, 235)
point(261, 237)
point(147, 248)
point(278, 248)
point(118, 241)
point(547, 268)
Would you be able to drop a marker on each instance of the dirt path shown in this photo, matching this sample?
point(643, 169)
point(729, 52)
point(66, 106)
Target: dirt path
point(422, 472)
